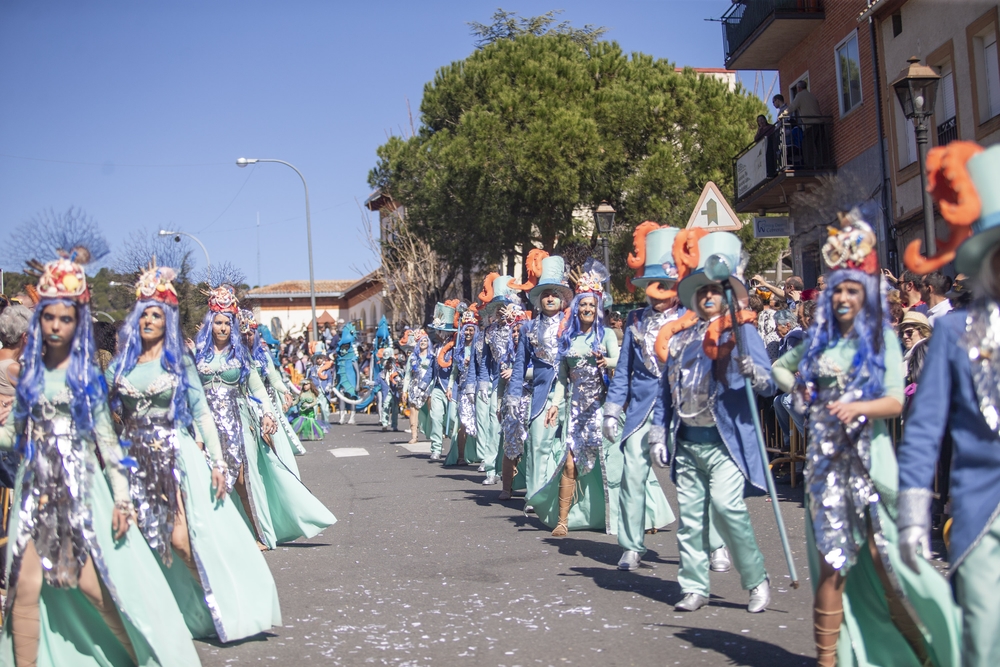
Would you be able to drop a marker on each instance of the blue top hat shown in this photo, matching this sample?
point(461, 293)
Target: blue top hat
point(984, 169)
point(553, 278)
point(719, 258)
point(444, 318)
point(660, 265)
point(503, 294)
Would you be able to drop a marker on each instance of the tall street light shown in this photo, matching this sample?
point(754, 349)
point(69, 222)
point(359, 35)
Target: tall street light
point(916, 88)
point(242, 162)
point(605, 217)
point(177, 237)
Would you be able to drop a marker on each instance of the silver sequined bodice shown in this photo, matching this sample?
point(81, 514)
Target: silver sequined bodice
point(645, 333)
point(690, 374)
point(545, 339)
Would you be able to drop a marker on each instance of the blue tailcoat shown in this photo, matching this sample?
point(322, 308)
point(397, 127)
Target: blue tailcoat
point(442, 376)
point(542, 377)
point(945, 399)
point(733, 415)
point(487, 366)
point(633, 386)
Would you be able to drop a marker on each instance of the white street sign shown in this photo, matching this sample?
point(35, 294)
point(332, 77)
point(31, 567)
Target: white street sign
point(775, 227)
point(713, 212)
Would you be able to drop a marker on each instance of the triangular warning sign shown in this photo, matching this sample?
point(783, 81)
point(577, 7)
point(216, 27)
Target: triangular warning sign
point(713, 212)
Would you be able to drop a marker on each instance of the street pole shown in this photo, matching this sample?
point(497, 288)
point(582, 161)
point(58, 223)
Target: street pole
point(607, 265)
point(242, 162)
point(920, 129)
point(208, 261)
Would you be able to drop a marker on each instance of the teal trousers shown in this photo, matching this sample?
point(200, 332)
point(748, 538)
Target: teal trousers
point(542, 452)
point(438, 404)
point(641, 503)
point(710, 486)
point(488, 431)
point(976, 583)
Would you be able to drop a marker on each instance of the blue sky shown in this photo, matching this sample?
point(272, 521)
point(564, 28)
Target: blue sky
point(137, 111)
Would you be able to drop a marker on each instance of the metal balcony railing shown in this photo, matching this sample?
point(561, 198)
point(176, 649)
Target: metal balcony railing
point(795, 144)
point(744, 17)
point(947, 132)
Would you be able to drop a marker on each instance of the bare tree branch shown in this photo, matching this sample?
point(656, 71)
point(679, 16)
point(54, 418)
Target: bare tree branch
point(47, 231)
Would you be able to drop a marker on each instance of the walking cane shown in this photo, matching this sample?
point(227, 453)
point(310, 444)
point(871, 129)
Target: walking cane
point(731, 301)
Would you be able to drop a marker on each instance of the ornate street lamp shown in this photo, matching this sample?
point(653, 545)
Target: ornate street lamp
point(916, 88)
point(604, 214)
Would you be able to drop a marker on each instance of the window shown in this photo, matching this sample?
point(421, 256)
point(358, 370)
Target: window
point(897, 24)
point(848, 73)
point(944, 111)
point(984, 64)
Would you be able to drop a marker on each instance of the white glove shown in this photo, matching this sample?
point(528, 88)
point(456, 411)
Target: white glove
point(914, 544)
point(611, 428)
point(659, 455)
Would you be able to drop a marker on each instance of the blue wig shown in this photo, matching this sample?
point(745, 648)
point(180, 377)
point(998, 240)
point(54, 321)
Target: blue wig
point(572, 329)
point(868, 368)
point(258, 351)
point(83, 376)
point(237, 349)
point(172, 360)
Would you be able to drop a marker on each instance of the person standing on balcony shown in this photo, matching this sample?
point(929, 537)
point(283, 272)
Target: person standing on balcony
point(806, 107)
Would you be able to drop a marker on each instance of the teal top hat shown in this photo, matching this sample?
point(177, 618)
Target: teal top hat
point(553, 278)
point(444, 318)
point(659, 258)
point(503, 294)
point(720, 257)
point(984, 169)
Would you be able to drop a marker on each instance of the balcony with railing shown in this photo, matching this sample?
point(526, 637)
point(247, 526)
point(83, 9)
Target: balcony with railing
point(757, 34)
point(947, 132)
point(794, 154)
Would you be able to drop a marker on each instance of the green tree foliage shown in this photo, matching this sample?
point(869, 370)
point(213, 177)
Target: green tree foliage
point(508, 25)
point(539, 123)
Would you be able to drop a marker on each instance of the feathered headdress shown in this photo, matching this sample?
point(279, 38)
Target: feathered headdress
point(155, 283)
point(533, 265)
point(852, 246)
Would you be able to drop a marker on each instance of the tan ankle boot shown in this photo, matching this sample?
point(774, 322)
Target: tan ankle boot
point(567, 487)
point(826, 631)
point(507, 478)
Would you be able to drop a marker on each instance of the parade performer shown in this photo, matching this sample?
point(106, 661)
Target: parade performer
point(538, 347)
point(155, 386)
point(388, 380)
point(437, 413)
point(514, 413)
point(575, 496)
point(959, 394)
point(869, 608)
point(347, 371)
point(638, 497)
point(418, 382)
point(308, 422)
point(494, 360)
point(281, 397)
point(71, 551)
point(276, 505)
point(463, 389)
point(281, 443)
point(704, 405)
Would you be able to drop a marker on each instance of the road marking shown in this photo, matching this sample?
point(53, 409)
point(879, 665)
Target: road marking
point(423, 447)
point(343, 452)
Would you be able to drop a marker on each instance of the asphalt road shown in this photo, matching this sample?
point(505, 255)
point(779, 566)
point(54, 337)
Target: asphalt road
point(425, 567)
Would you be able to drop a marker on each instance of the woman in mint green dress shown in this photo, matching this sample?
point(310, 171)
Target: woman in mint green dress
point(281, 443)
point(222, 583)
point(869, 607)
point(575, 495)
point(275, 504)
point(83, 587)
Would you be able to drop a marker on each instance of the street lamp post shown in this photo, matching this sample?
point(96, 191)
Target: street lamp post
point(177, 237)
point(242, 162)
point(916, 88)
point(605, 217)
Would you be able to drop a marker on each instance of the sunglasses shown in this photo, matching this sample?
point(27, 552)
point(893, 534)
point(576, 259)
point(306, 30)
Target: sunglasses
point(907, 332)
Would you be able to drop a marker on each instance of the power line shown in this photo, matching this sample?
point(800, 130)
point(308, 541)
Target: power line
point(230, 201)
point(111, 164)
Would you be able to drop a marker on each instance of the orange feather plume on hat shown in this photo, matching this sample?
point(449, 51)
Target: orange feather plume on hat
point(950, 184)
point(637, 258)
point(533, 265)
point(442, 360)
point(487, 294)
point(685, 250)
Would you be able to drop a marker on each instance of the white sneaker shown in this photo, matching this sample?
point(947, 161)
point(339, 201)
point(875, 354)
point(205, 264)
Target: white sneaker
point(482, 468)
point(351, 420)
point(629, 561)
point(342, 418)
point(491, 480)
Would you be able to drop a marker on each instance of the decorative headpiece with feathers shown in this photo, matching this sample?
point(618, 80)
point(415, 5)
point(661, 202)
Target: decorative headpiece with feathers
point(155, 283)
point(222, 299)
